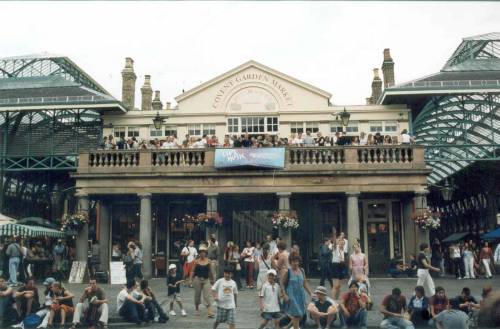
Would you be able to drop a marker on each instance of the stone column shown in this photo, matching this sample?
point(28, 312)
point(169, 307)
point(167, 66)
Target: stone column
point(284, 206)
point(353, 225)
point(104, 235)
point(420, 203)
point(409, 228)
point(145, 235)
point(82, 240)
point(211, 210)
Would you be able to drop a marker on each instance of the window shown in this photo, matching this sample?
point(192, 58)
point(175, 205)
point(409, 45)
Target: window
point(208, 129)
point(133, 132)
point(335, 127)
point(296, 127)
point(272, 124)
point(312, 127)
point(171, 131)
point(232, 125)
point(119, 132)
point(352, 127)
point(194, 130)
point(376, 126)
point(391, 126)
point(153, 132)
point(252, 124)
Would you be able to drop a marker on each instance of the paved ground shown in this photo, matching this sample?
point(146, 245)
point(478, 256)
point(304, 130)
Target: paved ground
point(248, 313)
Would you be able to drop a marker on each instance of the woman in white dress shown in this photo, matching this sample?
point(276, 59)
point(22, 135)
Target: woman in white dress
point(264, 263)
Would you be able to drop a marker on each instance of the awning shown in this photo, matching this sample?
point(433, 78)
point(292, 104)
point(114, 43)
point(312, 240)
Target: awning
point(493, 235)
point(456, 237)
point(29, 231)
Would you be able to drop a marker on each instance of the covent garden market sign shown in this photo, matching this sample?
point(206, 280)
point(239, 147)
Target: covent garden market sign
point(245, 78)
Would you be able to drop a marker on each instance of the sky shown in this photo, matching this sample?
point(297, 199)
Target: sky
point(331, 45)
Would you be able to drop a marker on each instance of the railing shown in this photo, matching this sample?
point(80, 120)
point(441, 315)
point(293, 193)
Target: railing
point(52, 99)
point(296, 159)
point(450, 83)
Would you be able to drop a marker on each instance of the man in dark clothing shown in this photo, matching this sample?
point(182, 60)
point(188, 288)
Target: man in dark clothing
point(246, 142)
point(437, 256)
point(393, 308)
point(325, 259)
point(27, 300)
point(465, 302)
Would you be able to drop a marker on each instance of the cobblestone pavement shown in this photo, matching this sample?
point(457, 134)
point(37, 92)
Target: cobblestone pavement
point(248, 313)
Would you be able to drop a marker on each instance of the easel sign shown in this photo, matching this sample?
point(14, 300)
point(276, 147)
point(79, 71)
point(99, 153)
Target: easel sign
point(78, 272)
point(117, 271)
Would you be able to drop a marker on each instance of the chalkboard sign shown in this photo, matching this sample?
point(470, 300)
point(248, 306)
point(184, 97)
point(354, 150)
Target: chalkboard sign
point(117, 270)
point(78, 271)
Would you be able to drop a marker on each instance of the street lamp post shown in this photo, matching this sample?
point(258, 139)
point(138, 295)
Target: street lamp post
point(344, 118)
point(158, 121)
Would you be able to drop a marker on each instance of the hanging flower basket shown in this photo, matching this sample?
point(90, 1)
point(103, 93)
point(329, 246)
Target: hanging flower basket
point(285, 220)
point(74, 222)
point(428, 219)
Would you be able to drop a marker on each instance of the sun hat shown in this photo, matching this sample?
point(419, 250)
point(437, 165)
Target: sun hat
point(171, 267)
point(49, 281)
point(321, 290)
point(271, 271)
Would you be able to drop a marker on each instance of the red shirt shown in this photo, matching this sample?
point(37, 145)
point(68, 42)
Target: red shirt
point(351, 302)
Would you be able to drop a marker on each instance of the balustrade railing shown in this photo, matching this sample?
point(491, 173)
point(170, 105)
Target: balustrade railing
point(178, 158)
point(385, 154)
point(315, 155)
point(124, 158)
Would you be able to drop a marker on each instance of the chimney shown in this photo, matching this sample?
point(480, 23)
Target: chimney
point(388, 69)
point(128, 84)
point(147, 94)
point(376, 87)
point(168, 106)
point(156, 104)
point(368, 100)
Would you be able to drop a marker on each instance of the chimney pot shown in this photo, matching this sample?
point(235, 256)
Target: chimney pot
point(168, 105)
point(387, 54)
point(375, 74)
point(147, 94)
point(128, 84)
point(129, 63)
point(147, 79)
point(388, 69)
point(157, 95)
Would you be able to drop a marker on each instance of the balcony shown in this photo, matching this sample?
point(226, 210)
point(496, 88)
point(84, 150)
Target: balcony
point(297, 159)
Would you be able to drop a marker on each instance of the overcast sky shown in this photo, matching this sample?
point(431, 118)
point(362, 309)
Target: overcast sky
point(333, 46)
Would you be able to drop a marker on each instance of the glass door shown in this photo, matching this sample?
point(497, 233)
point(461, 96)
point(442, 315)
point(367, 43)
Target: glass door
point(377, 236)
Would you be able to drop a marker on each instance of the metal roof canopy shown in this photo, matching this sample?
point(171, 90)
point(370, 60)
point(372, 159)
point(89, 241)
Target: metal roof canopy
point(457, 111)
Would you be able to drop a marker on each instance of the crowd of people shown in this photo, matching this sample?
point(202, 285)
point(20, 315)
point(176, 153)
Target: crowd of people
point(257, 140)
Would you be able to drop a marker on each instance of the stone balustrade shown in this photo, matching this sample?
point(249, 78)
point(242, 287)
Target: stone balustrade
point(296, 159)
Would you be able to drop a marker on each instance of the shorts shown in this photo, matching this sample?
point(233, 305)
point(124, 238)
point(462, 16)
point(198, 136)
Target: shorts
point(337, 271)
point(175, 298)
point(270, 315)
point(226, 315)
point(66, 308)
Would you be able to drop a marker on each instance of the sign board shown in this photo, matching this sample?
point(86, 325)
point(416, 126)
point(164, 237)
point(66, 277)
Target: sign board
point(78, 271)
point(117, 271)
point(265, 157)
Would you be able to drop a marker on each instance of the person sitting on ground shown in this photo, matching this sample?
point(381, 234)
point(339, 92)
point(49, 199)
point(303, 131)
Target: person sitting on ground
point(353, 308)
point(411, 270)
point(27, 301)
point(487, 290)
point(393, 308)
point(452, 319)
point(96, 307)
point(396, 268)
point(322, 311)
point(438, 303)
point(152, 304)
point(489, 314)
point(62, 303)
point(7, 312)
point(129, 307)
point(174, 281)
point(44, 311)
point(466, 302)
point(269, 300)
point(418, 307)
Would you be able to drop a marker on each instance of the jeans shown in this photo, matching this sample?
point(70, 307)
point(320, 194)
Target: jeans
point(469, 267)
point(7, 313)
point(132, 312)
point(138, 270)
point(396, 323)
point(358, 319)
point(151, 306)
point(13, 265)
point(457, 266)
point(325, 273)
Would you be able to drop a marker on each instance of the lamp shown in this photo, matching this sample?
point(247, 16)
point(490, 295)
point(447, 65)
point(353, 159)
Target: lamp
point(446, 191)
point(158, 121)
point(344, 117)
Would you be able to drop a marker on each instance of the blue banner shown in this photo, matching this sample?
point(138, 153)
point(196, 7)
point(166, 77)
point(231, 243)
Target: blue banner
point(266, 157)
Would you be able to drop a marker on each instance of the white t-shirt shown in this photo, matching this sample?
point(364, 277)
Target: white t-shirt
point(405, 139)
point(270, 295)
point(226, 289)
point(363, 141)
point(249, 252)
point(121, 298)
point(192, 253)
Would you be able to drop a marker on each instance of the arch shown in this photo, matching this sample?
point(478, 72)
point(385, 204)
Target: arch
point(269, 90)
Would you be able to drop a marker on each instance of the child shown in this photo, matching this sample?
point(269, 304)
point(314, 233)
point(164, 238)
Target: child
point(174, 289)
point(269, 300)
point(225, 294)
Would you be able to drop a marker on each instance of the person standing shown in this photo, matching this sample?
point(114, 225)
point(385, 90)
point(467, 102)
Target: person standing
point(468, 255)
point(14, 253)
point(269, 300)
point(437, 256)
point(190, 253)
point(485, 256)
point(174, 281)
point(249, 261)
point(202, 282)
point(138, 255)
point(358, 263)
point(225, 293)
point(496, 256)
point(393, 308)
point(58, 252)
point(294, 286)
point(337, 266)
point(280, 259)
point(424, 278)
point(213, 255)
point(456, 258)
point(264, 264)
point(234, 261)
point(325, 260)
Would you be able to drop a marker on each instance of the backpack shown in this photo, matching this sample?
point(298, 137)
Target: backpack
point(32, 321)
